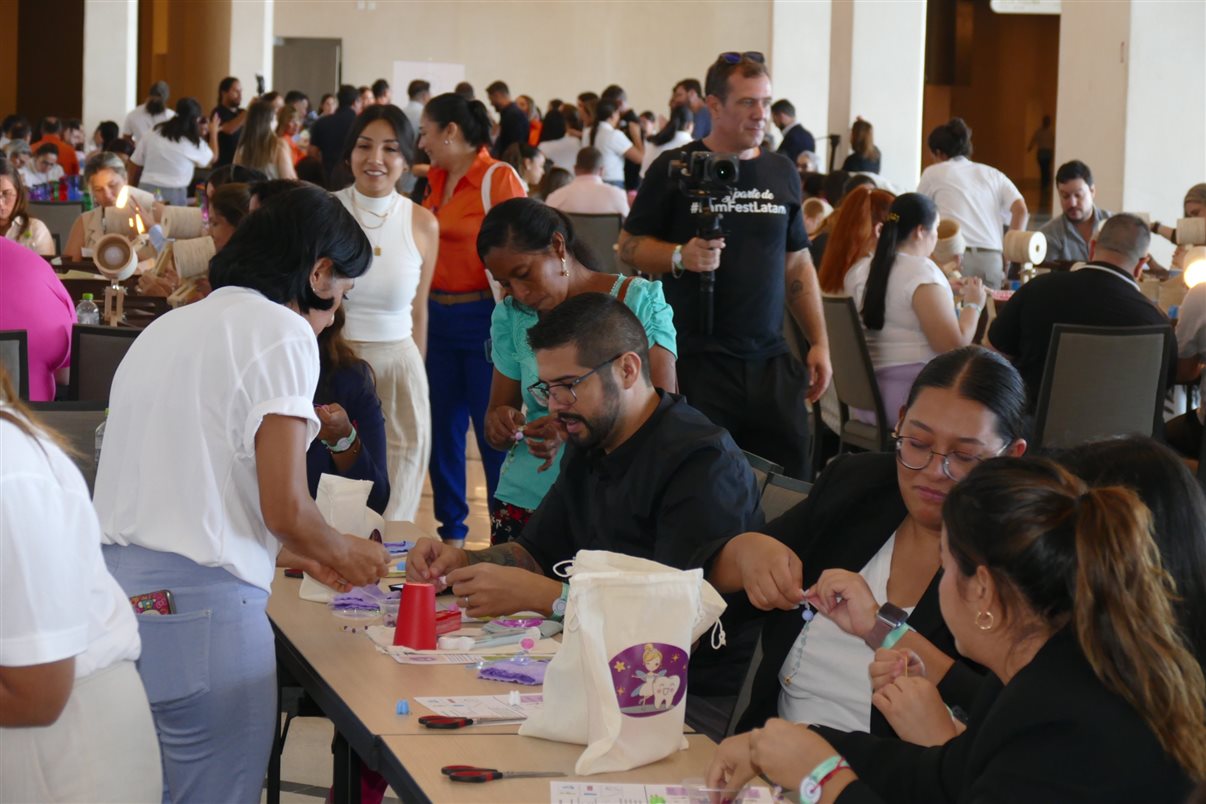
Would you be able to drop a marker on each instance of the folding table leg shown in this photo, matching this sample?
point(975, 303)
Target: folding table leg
point(346, 773)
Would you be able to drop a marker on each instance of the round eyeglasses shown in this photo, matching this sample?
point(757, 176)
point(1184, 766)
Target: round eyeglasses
point(563, 392)
point(956, 464)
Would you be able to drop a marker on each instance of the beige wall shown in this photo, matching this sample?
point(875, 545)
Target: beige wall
point(646, 47)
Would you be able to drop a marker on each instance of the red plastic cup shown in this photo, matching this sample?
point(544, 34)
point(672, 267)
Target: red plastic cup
point(416, 628)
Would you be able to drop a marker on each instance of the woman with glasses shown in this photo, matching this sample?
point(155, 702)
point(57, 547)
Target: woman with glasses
point(869, 534)
point(15, 222)
point(531, 250)
point(906, 302)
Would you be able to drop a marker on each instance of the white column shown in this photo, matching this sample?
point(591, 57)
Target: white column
point(877, 69)
point(1132, 102)
point(251, 35)
point(799, 61)
point(110, 60)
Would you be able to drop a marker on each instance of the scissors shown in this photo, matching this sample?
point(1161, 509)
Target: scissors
point(469, 773)
point(447, 722)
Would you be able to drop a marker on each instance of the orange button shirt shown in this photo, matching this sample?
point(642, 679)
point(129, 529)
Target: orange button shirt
point(67, 158)
point(458, 268)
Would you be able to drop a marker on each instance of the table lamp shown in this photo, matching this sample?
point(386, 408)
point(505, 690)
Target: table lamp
point(1195, 265)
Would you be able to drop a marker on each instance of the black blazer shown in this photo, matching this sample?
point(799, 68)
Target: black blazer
point(849, 515)
point(1054, 733)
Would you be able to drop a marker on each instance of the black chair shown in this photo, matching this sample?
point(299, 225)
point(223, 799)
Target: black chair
point(14, 356)
point(782, 493)
point(763, 469)
point(59, 216)
point(854, 378)
point(76, 422)
point(1102, 381)
point(96, 352)
point(600, 233)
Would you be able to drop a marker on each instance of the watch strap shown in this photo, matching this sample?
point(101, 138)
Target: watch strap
point(812, 787)
point(560, 603)
point(677, 269)
point(887, 619)
point(344, 444)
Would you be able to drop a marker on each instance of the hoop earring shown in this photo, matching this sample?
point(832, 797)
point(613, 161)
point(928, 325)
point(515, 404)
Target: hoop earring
point(980, 615)
point(564, 267)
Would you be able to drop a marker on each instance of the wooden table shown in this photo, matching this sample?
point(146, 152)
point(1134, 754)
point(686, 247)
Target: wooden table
point(415, 762)
point(357, 689)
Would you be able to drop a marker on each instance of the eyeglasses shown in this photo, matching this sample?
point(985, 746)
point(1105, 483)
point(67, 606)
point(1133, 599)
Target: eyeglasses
point(915, 455)
point(733, 57)
point(563, 392)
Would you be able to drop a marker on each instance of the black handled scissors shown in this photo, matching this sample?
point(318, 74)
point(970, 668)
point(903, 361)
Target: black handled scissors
point(447, 722)
point(472, 774)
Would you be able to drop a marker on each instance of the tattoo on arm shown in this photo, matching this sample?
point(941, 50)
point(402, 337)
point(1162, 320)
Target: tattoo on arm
point(506, 555)
point(629, 250)
point(795, 290)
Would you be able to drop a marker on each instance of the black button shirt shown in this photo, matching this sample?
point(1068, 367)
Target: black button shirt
point(674, 492)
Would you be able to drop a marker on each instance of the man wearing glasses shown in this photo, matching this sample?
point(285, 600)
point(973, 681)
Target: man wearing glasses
point(739, 371)
point(644, 473)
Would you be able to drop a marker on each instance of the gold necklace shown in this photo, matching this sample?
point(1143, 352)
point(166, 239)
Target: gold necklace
point(356, 210)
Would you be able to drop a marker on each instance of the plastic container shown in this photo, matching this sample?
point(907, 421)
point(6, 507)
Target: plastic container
point(86, 312)
point(416, 627)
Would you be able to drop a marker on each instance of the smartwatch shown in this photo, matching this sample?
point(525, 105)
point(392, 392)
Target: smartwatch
point(677, 269)
point(888, 619)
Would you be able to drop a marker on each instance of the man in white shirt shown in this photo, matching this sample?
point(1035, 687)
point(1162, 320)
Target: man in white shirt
point(419, 92)
point(45, 168)
point(587, 194)
point(143, 118)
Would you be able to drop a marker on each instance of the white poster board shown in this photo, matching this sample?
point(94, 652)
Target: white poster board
point(442, 76)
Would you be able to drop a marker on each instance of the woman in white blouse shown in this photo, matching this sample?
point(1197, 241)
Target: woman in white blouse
point(68, 636)
point(907, 305)
point(15, 223)
point(205, 497)
point(166, 156)
point(613, 143)
point(675, 134)
point(387, 316)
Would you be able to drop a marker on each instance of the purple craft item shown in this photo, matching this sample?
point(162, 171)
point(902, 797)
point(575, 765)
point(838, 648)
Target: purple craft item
point(530, 672)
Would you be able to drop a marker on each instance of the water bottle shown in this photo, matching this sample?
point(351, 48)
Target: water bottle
point(100, 436)
point(87, 198)
point(86, 312)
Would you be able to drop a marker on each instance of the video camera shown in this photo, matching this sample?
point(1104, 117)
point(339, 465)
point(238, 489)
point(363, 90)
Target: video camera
point(705, 177)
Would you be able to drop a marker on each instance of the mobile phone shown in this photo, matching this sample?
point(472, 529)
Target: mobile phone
point(154, 603)
point(259, 84)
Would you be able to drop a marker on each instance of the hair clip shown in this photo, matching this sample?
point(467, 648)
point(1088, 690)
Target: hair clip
point(892, 216)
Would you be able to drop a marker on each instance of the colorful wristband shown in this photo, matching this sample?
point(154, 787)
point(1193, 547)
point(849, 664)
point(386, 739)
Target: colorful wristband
point(895, 635)
point(813, 785)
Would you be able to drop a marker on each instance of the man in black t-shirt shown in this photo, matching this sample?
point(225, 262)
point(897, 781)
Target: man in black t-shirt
point(328, 135)
point(1104, 292)
point(513, 125)
point(230, 119)
point(741, 374)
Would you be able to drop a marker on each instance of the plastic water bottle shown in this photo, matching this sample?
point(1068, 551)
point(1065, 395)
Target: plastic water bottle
point(86, 312)
point(100, 436)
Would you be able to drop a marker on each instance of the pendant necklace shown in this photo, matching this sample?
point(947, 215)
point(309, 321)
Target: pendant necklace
point(356, 210)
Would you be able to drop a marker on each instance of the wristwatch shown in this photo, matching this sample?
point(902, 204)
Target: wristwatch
point(677, 269)
point(342, 445)
point(560, 603)
point(888, 619)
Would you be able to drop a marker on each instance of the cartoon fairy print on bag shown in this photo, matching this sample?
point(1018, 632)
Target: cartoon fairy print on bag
point(649, 678)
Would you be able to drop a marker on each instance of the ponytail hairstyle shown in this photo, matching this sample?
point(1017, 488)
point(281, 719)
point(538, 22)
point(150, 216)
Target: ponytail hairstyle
point(680, 118)
point(1067, 555)
point(469, 115)
point(604, 109)
point(907, 212)
point(529, 226)
point(186, 125)
point(849, 229)
point(1178, 506)
point(951, 139)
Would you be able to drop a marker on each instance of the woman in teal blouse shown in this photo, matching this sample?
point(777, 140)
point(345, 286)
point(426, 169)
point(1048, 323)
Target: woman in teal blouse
point(530, 250)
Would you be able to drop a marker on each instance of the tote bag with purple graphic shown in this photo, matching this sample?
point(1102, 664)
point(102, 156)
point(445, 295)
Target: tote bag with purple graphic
point(618, 684)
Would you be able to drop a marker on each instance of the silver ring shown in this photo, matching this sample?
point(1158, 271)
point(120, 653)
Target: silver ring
point(465, 602)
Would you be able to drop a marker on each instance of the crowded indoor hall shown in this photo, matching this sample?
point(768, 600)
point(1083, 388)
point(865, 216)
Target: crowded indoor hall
point(771, 401)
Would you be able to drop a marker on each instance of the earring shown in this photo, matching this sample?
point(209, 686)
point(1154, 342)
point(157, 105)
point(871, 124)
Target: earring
point(447, 142)
point(564, 267)
point(980, 615)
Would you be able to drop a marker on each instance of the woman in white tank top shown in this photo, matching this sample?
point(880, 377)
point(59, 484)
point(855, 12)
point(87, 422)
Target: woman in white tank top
point(386, 314)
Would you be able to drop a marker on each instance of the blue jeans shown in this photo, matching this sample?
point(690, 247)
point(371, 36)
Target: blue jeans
point(176, 196)
point(458, 376)
point(210, 674)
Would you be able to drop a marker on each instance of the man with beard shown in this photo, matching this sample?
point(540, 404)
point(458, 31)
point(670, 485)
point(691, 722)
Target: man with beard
point(1068, 235)
point(644, 473)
